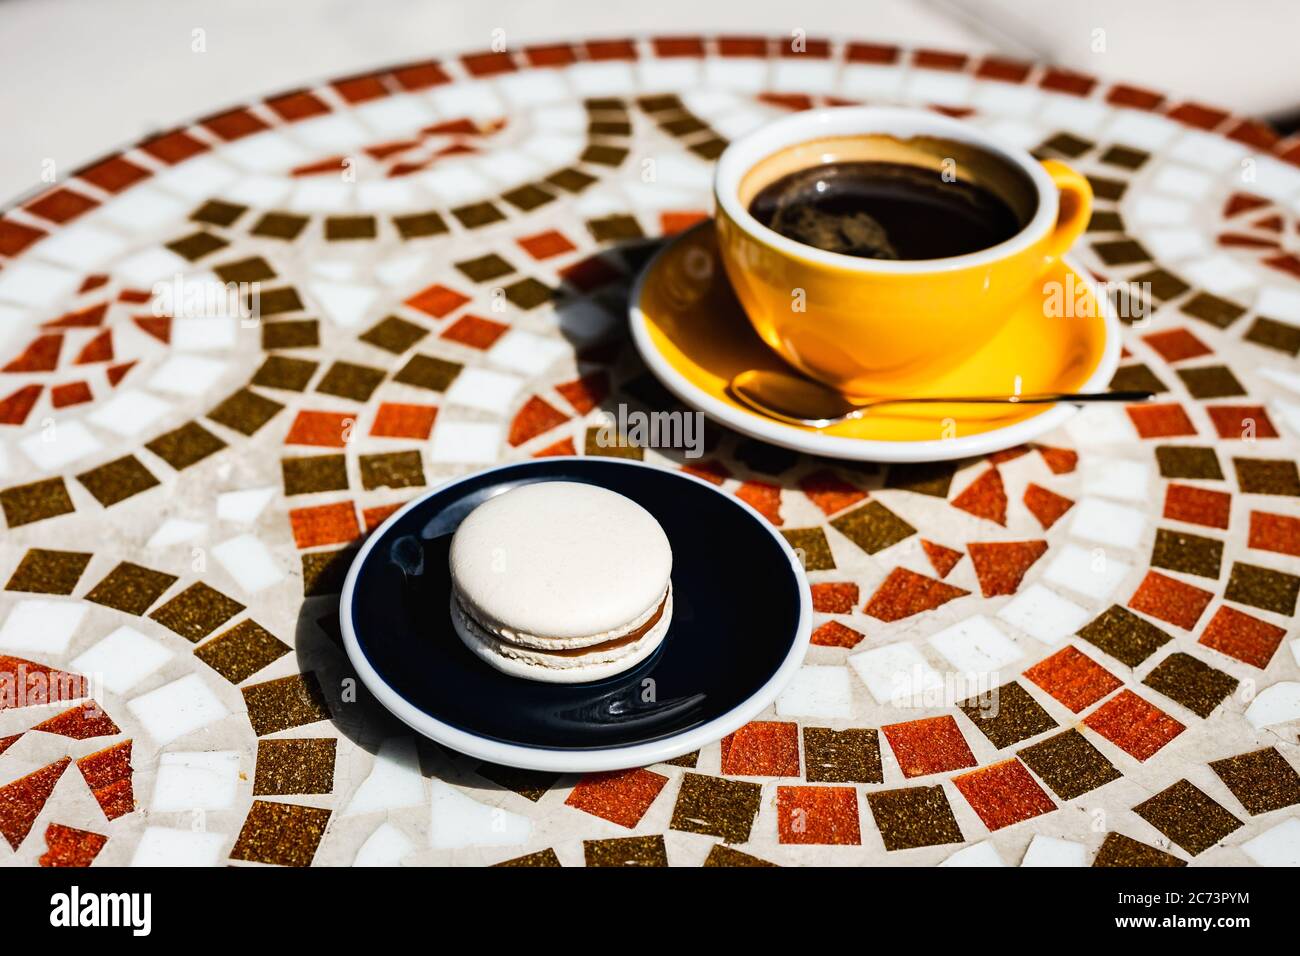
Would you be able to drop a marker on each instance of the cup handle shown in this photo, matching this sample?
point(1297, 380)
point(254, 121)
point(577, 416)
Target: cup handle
point(1074, 210)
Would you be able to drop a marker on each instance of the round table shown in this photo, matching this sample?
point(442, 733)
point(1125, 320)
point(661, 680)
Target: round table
point(1076, 652)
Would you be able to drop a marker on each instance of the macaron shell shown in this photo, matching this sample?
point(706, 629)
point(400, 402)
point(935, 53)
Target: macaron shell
point(560, 561)
point(539, 666)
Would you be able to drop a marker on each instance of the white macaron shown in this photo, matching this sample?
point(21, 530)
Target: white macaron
point(561, 581)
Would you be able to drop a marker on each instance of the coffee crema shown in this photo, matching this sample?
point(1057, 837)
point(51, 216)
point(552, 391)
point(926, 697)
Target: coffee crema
point(877, 197)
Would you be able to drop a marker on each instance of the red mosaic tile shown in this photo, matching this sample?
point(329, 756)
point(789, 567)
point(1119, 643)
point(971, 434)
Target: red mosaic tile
point(27, 683)
point(1194, 114)
point(1271, 223)
point(1047, 506)
point(938, 59)
point(324, 524)
point(488, 63)
point(421, 76)
point(1132, 724)
point(92, 282)
point(22, 800)
point(1160, 421)
point(437, 301)
point(361, 89)
point(1241, 422)
point(1170, 600)
point(818, 815)
point(114, 174)
point(173, 147)
point(15, 407)
point(15, 237)
point(1270, 532)
point(714, 472)
point(1285, 263)
point(68, 846)
point(742, 46)
point(985, 497)
point(80, 723)
point(60, 205)
point(1003, 70)
point(1001, 565)
point(764, 498)
point(1073, 678)
point(1007, 454)
point(1242, 202)
point(564, 446)
point(1067, 81)
point(795, 102)
point(835, 634)
point(942, 559)
point(1203, 506)
point(535, 417)
point(835, 597)
point(384, 150)
point(1242, 636)
point(762, 748)
point(829, 492)
point(234, 124)
point(86, 318)
point(585, 393)
point(1003, 794)
point(7, 742)
point(1060, 461)
point(319, 167)
point(98, 349)
point(134, 296)
point(475, 331)
point(292, 107)
point(620, 796)
point(931, 745)
point(1133, 97)
point(544, 245)
point(398, 420)
point(673, 222)
point(1176, 345)
point(555, 54)
point(1235, 240)
point(372, 518)
point(115, 373)
point(905, 593)
point(322, 429)
point(871, 53)
point(42, 355)
point(590, 273)
point(610, 49)
point(108, 775)
point(678, 46)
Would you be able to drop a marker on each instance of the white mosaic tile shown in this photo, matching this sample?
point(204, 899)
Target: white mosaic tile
point(250, 562)
point(1275, 705)
point(526, 353)
point(484, 389)
point(1173, 245)
point(976, 646)
point(532, 88)
point(129, 412)
point(394, 780)
point(867, 82)
point(176, 709)
point(468, 100)
point(246, 505)
point(142, 269)
point(1100, 425)
point(1095, 519)
point(1073, 113)
point(332, 133)
point(199, 178)
point(192, 781)
point(187, 375)
point(736, 73)
point(669, 75)
point(1180, 181)
point(817, 691)
point(1120, 478)
point(27, 282)
point(1043, 614)
point(456, 183)
point(938, 86)
point(83, 247)
point(460, 821)
point(268, 152)
point(263, 192)
point(169, 847)
point(602, 78)
point(1052, 851)
point(1159, 211)
point(1089, 572)
point(144, 209)
point(328, 194)
point(209, 333)
point(345, 304)
point(803, 75)
point(560, 119)
point(1006, 99)
point(896, 673)
point(59, 444)
point(469, 443)
point(385, 847)
point(1278, 303)
point(174, 531)
point(1206, 150)
point(403, 113)
point(981, 854)
point(1279, 845)
point(41, 626)
point(1220, 274)
point(1142, 130)
point(122, 659)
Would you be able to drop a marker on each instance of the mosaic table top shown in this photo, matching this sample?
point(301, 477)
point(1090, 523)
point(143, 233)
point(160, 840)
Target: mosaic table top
point(441, 254)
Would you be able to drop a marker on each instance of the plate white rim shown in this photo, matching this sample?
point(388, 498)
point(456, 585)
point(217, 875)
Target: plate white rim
point(863, 449)
point(577, 761)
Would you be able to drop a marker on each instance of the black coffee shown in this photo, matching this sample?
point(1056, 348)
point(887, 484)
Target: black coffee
point(879, 210)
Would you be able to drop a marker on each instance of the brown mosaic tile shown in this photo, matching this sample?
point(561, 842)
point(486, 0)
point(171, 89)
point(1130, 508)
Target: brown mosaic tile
point(1262, 781)
point(1273, 334)
point(291, 334)
point(280, 225)
point(717, 807)
point(348, 380)
point(527, 198)
point(1136, 377)
point(477, 215)
point(1267, 476)
point(1124, 636)
point(186, 445)
point(400, 469)
point(484, 268)
point(23, 504)
point(618, 228)
point(1067, 145)
point(276, 301)
point(314, 473)
point(1188, 816)
point(528, 293)
point(242, 651)
point(842, 756)
point(1263, 588)
point(597, 442)
point(529, 784)
point(218, 213)
point(1188, 461)
point(280, 833)
point(811, 546)
point(1220, 313)
point(1213, 381)
point(245, 412)
point(722, 855)
point(323, 571)
point(1105, 220)
point(626, 851)
point(913, 817)
point(394, 335)
point(1007, 715)
point(421, 225)
point(117, 480)
point(1194, 684)
point(131, 588)
point(873, 527)
point(345, 228)
point(287, 702)
point(1161, 284)
point(282, 372)
point(1119, 850)
point(1188, 553)
point(48, 572)
point(252, 269)
point(197, 245)
point(304, 765)
point(1112, 190)
point(426, 371)
point(1125, 156)
point(1277, 533)
point(196, 612)
point(545, 857)
point(1069, 764)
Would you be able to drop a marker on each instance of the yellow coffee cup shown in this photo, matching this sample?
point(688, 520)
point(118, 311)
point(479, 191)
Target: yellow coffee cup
point(877, 326)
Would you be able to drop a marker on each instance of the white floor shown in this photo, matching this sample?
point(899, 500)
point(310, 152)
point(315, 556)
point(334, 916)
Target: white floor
point(83, 76)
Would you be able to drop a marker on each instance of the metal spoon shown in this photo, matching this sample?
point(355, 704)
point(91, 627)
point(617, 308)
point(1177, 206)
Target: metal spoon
point(800, 401)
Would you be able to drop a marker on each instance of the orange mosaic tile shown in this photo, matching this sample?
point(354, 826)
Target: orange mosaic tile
point(942, 559)
point(437, 301)
point(22, 800)
point(585, 393)
point(476, 332)
point(1135, 726)
point(1170, 600)
point(82, 722)
point(321, 429)
point(930, 745)
point(1241, 422)
point(905, 593)
point(763, 497)
point(545, 245)
point(1272, 532)
point(620, 796)
point(1160, 421)
point(1047, 506)
point(985, 497)
point(838, 597)
point(1061, 461)
point(398, 420)
point(1003, 794)
point(829, 492)
point(68, 846)
point(762, 749)
point(324, 524)
point(374, 517)
point(835, 634)
point(1073, 678)
point(1242, 636)
point(1176, 345)
point(1001, 565)
point(820, 815)
point(533, 419)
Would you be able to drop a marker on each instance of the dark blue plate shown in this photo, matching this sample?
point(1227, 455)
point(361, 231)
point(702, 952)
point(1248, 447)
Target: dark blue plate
point(741, 624)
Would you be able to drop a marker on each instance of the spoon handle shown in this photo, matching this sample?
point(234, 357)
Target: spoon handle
point(1030, 398)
